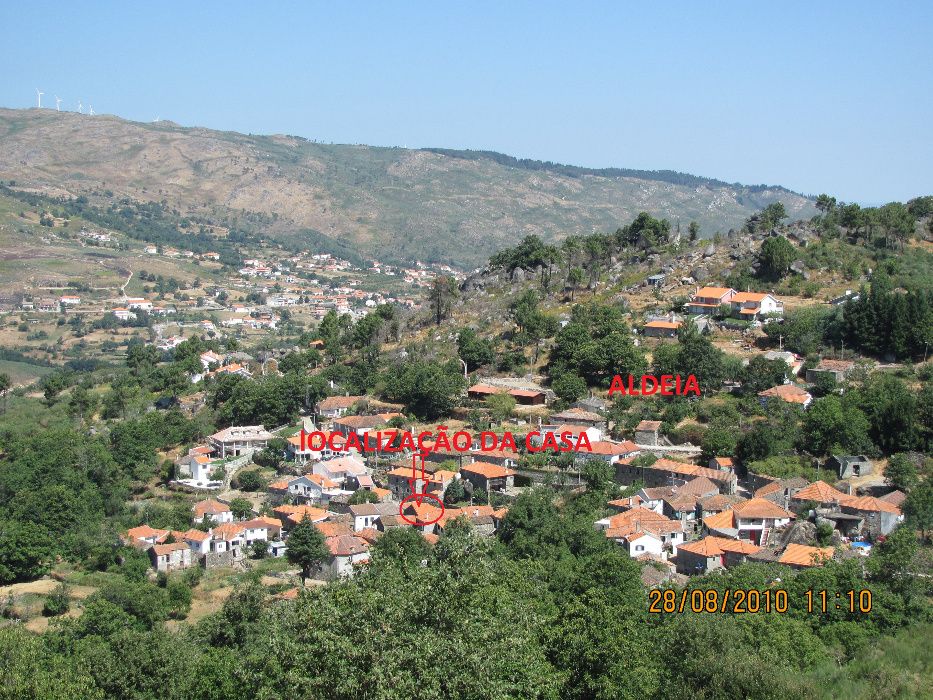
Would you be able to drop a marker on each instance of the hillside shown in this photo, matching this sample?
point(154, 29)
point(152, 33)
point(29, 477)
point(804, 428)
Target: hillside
point(392, 204)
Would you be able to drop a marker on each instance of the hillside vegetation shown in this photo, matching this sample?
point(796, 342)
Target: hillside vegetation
point(392, 204)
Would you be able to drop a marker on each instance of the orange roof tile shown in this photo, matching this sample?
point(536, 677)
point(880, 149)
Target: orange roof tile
point(760, 508)
point(869, 503)
point(787, 392)
point(715, 546)
point(819, 491)
point(714, 292)
point(720, 521)
point(145, 532)
point(210, 507)
point(804, 555)
point(487, 470)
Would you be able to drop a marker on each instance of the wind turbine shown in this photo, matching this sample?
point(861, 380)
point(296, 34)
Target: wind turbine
point(39, 98)
point(90, 110)
point(80, 108)
point(58, 103)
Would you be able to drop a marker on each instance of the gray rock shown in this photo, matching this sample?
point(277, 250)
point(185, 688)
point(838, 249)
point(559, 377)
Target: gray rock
point(710, 251)
point(798, 266)
point(518, 275)
point(700, 274)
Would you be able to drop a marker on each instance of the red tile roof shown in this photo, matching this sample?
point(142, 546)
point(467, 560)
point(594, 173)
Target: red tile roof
point(487, 470)
point(804, 555)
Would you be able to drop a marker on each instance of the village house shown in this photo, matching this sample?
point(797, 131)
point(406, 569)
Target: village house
point(198, 541)
point(878, 517)
point(209, 358)
point(340, 469)
point(124, 314)
point(483, 519)
point(818, 492)
point(580, 417)
point(752, 306)
point(336, 406)
point(290, 515)
point(228, 539)
point(666, 472)
point(345, 552)
point(361, 425)
point(660, 328)
point(367, 514)
point(138, 304)
point(725, 464)
point(503, 458)
point(712, 553)
point(237, 440)
point(789, 393)
point(801, 556)
point(489, 477)
point(311, 489)
point(435, 483)
point(170, 557)
point(754, 520)
point(593, 434)
point(837, 369)
point(524, 397)
point(609, 451)
point(642, 531)
point(198, 467)
point(794, 363)
point(707, 300)
point(144, 535)
point(69, 300)
point(329, 449)
point(646, 432)
point(847, 466)
point(217, 511)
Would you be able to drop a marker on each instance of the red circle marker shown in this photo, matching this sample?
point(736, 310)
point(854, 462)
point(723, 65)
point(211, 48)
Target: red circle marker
point(419, 499)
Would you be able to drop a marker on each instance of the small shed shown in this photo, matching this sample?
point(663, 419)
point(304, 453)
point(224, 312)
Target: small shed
point(849, 465)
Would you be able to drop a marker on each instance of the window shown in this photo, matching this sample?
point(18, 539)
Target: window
point(639, 548)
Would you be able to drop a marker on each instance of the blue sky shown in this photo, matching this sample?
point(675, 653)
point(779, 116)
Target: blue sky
point(830, 96)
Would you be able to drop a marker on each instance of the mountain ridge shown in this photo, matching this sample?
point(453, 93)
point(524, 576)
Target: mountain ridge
point(390, 203)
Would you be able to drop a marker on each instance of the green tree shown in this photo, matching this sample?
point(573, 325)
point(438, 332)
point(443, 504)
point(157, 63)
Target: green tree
point(569, 387)
point(831, 425)
point(473, 350)
point(428, 389)
point(901, 472)
point(918, 508)
point(400, 546)
point(719, 441)
point(776, 256)
point(772, 215)
point(259, 549)
point(454, 493)
point(249, 480)
point(501, 406)
point(441, 295)
point(694, 230)
point(241, 508)
point(574, 278)
point(306, 548)
point(25, 550)
point(825, 203)
point(361, 496)
point(56, 603)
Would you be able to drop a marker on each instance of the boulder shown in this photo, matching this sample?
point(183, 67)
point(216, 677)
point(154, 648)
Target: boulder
point(518, 275)
point(709, 251)
point(700, 274)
